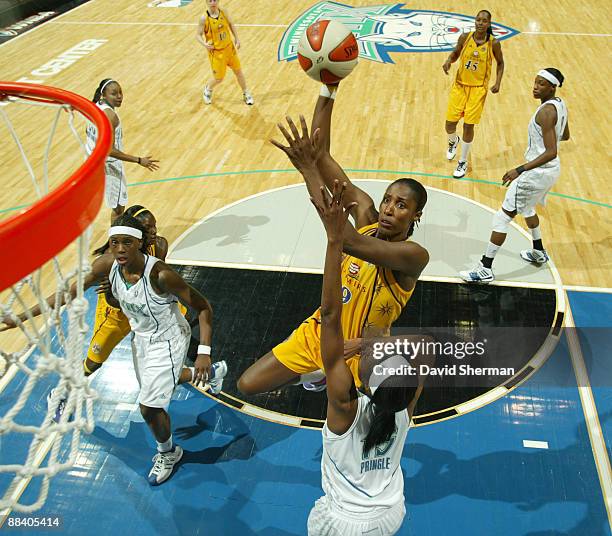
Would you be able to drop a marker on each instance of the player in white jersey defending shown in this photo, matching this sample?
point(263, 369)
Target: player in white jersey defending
point(108, 97)
point(530, 182)
point(363, 436)
point(147, 290)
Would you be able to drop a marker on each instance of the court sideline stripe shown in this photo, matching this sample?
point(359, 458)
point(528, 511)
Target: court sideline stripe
point(591, 416)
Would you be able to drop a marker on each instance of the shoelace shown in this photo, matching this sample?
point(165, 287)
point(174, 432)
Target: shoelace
point(161, 461)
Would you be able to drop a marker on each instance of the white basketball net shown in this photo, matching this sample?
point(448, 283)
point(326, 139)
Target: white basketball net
point(46, 352)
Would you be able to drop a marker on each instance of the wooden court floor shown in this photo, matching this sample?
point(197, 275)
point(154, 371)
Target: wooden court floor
point(388, 116)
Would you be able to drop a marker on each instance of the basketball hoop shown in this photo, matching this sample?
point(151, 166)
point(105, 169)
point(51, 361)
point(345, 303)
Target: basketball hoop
point(70, 208)
point(51, 354)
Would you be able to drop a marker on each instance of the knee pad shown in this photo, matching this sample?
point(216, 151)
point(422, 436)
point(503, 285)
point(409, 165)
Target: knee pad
point(501, 221)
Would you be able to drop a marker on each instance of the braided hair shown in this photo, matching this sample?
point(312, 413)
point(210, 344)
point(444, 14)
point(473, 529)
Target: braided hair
point(134, 209)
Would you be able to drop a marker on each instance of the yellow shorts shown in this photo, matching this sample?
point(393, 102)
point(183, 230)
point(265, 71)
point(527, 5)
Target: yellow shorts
point(110, 327)
point(220, 60)
point(301, 352)
point(467, 102)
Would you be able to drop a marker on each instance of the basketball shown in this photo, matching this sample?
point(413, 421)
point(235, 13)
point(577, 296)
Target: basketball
point(328, 51)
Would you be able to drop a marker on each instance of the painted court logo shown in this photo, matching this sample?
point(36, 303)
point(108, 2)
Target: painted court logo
point(382, 29)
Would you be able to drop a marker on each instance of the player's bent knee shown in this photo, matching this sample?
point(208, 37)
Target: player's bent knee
point(501, 221)
point(246, 386)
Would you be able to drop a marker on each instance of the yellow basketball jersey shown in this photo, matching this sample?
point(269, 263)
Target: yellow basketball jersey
point(475, 62)
point(217, 30)
point(371, 297)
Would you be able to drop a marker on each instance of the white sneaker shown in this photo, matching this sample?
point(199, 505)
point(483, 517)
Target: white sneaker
point(57, 409)
point(479, 274)
point(462, 166)
point(248, 98)
point(163, 465)
point(218, 372)
point(535, 256)
point(452, 148)
point(207, 95)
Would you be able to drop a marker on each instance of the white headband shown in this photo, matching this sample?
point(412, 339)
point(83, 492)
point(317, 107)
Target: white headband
point(550, 77)
point(124, 230)
point(109, 81)
point(376, 379)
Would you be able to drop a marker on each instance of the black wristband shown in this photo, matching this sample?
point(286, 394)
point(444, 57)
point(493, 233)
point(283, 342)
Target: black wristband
point(139, 159)
point(520, 169)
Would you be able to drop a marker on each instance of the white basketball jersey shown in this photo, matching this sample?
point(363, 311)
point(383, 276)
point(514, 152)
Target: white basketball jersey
point(534, 131)
point(150, 314)
point(358, 483)
point(91, 133)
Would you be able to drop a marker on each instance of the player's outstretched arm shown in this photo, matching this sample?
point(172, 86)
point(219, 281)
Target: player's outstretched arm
point(341, 392)
point(169, 282)
point(364, 213)
point(100, 269)
point(305, 151)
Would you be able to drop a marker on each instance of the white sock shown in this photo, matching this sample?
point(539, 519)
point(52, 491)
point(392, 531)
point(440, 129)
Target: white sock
point(452, 138)
point(492, 250)
point(536, 234)
point(465, 149)
point(165, 446)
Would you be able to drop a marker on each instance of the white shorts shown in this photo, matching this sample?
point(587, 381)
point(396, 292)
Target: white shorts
point(529, 190)
point(158, 365)
point(326, 520)
point(115, 189)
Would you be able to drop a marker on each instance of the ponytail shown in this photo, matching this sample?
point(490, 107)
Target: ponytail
point(381, 429)
point(392, 396)
point(134, 211)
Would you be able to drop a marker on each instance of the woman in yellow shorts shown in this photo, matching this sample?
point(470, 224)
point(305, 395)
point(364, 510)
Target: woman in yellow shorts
point(380, 266)
point(475, 52)
point(111, 325)
point(214, 33)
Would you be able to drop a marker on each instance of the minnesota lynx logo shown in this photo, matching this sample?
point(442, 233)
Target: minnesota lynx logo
point(387, 28)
